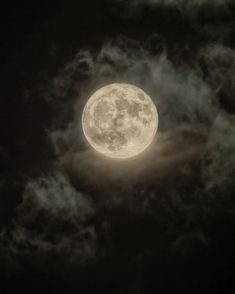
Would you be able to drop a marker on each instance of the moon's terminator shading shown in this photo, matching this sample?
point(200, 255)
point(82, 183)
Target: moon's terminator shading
point(120, 120)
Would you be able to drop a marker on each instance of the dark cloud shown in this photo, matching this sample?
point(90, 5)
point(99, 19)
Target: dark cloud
point(52, 218)
point(195, 19)
point(180, 4)
point(220, 171)
point(220, 63)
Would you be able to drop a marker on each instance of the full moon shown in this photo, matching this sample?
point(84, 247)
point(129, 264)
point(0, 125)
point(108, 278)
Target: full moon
point(120, 120)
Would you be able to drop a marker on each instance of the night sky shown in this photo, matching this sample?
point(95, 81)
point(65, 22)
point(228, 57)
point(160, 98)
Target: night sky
point(73, 220)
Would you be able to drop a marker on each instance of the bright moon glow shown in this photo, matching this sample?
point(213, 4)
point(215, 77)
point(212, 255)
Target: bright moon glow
point(120, 120)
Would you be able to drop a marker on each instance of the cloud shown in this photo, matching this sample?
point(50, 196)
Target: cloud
point(179, 3)
point(220, 64)
point(192, 119)
point(221, 169)
point(183, 98)
point(186, 8)
point(53, 217)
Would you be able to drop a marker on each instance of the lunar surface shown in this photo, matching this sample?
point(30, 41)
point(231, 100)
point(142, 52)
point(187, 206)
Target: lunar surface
point(120, 120)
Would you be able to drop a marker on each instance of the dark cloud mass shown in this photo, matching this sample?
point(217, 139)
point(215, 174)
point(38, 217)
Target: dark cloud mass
point(156, 223)
point(53, 202)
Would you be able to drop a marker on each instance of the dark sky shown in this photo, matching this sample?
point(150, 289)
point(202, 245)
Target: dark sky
point(71, 220)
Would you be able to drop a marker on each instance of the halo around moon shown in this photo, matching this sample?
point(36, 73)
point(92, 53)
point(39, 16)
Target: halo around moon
point(120, 120)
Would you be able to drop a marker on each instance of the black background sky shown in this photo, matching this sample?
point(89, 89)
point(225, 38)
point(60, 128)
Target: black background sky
point(71, 220)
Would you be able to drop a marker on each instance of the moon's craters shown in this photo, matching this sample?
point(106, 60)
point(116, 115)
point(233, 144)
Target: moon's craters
point(120, 120)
